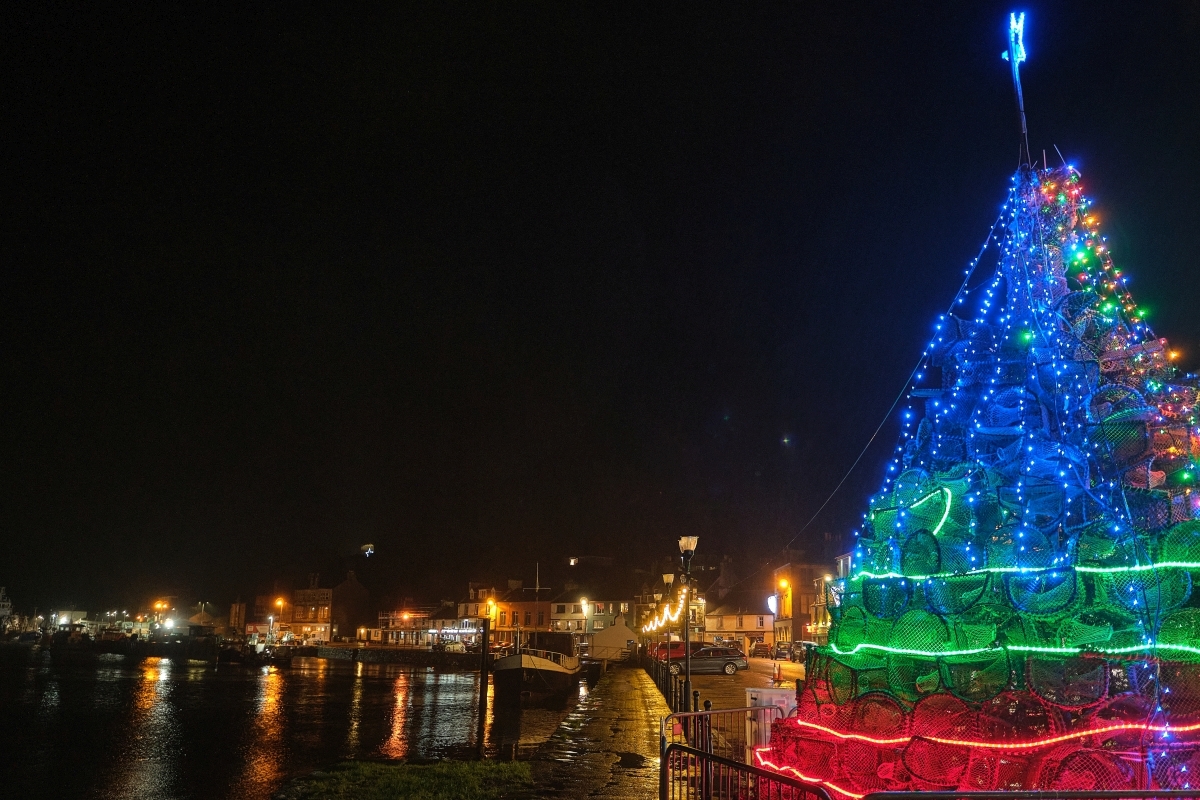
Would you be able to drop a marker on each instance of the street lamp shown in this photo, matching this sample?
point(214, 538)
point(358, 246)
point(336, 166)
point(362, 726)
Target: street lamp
point(668, 579)
point(687, 548)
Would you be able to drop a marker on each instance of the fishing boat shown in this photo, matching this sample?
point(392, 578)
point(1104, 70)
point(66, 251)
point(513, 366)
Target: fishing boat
point(547, 667)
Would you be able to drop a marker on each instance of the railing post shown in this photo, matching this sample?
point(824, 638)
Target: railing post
point(662, 776)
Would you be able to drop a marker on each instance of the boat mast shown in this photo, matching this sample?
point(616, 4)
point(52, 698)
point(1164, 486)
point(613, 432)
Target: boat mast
point(537, 592)
point(1014, 55)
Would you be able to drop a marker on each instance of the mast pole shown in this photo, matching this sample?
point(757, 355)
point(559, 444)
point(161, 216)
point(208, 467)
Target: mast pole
point(1014, 55)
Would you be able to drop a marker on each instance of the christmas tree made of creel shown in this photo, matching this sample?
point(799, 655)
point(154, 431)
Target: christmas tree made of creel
point(1019, 613)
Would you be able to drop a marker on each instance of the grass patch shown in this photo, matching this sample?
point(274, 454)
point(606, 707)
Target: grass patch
point(445, 780)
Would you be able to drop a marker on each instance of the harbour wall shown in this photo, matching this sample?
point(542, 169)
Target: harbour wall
point(397, 655)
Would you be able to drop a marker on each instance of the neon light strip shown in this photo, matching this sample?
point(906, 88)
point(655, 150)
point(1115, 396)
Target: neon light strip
point(925, 499)
point(763, 762)
point(1188, 565)
point(1018, 648)
point(945, 514)
point(990, 745)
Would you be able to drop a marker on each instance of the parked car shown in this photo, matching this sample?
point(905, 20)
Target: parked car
point(714, 659)
point(761, 650)
point(782, 650)
point(799, 649)
point(455, 647)
point(664, 653)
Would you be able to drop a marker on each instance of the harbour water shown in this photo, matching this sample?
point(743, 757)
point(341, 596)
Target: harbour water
point(109, 727)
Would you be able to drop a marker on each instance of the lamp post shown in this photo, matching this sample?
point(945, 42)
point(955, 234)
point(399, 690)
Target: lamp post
point(668, 579)
point(687, 548)
point(657, 599)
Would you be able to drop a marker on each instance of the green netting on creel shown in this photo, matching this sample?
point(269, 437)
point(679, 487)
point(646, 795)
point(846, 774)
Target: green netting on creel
point(1044, 593)
point(977, 678)
point(920, 631)
point(1068, 683)
point(1181, 627)
point(920, 554)
point(1145, 596)
point(1077, 632)
point(956, 594)
point(886, 598)
point(1181, 543)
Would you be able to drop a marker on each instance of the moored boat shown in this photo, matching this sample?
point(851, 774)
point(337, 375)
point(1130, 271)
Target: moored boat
point(546, 669)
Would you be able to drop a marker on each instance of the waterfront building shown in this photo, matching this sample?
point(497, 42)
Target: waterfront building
point(742, 619)
point(444, 624)
point(519, 615)
point(311, 620)
point(799, 586)
point(407, 627)
point(817, 630)
point(579, 610)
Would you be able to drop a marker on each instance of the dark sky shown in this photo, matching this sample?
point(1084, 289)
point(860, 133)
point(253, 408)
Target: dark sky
point(486, 284)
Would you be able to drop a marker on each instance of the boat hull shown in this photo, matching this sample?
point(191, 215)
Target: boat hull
point(526, 676)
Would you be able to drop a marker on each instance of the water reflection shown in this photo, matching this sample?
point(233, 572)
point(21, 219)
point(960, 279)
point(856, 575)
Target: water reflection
point(157, 729)
point(356, 694)
point(264, 757)
point(396, 745)
point(149, 754)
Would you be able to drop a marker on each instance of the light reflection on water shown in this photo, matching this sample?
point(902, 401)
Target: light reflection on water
point(111, 728)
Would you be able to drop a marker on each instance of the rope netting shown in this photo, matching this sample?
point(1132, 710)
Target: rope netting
point(1020, 613)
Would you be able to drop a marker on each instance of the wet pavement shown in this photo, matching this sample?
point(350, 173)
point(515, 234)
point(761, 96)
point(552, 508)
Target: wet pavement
point(608, 745)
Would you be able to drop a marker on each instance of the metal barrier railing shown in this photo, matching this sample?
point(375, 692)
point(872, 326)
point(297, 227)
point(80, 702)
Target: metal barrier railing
point(726, 732)
point(1048, 794)
point(671, 686)
point(685, 773)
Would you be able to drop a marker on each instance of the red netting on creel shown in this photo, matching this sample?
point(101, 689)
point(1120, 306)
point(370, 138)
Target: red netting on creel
point(1176, 767)
point(1068, 683)
point(1073, 768)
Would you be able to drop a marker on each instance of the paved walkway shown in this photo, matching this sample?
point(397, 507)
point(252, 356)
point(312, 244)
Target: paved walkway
point(608, 745)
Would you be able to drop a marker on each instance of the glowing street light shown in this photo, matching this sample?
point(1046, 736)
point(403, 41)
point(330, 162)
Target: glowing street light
point(687, 548)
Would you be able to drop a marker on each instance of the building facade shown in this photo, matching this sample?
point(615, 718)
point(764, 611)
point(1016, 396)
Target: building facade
point(311, 621)
point(799, 587)
point(741, 619)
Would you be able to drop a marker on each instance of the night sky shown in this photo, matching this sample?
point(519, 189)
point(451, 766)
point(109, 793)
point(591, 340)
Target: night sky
point(486, 285)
